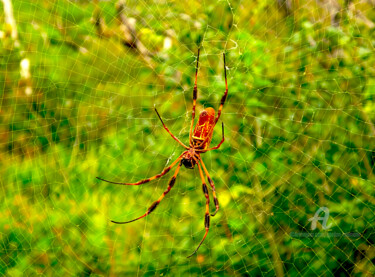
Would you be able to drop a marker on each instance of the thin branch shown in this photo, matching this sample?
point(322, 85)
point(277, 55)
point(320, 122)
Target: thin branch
point(130, 37)
point(9, 19)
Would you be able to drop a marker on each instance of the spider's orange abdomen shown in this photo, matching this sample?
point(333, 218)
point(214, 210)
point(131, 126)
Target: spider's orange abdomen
point(204, 128)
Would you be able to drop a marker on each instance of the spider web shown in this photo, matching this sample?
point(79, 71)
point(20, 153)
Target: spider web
point(80, 80)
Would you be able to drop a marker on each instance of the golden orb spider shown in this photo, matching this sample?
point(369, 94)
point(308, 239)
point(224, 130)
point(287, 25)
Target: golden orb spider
point(199, 141)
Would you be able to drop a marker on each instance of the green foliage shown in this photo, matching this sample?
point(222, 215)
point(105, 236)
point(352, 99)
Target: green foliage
point(299, 125)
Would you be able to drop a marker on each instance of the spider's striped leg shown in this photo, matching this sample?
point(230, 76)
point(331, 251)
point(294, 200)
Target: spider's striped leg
point(156, 203)
point(216, 147)
point(212, 186)
point(166, 128)
point(225, 93)
point(165, 171)
point(207, 213)
point(195, 95)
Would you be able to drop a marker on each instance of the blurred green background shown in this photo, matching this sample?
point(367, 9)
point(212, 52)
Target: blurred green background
point(79, 81)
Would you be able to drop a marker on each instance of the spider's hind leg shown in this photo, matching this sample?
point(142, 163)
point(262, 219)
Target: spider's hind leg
point(225, 93)
point(195, 95)
point(169, 132)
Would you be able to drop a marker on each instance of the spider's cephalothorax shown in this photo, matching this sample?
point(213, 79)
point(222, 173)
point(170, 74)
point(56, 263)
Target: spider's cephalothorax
point(189, 158)
point(199, 142)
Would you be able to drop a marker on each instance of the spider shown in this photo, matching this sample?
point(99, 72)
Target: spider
point(199, 142)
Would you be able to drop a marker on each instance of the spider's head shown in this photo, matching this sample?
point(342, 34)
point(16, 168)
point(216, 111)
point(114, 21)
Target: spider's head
point(188, 160)
point(188, 163)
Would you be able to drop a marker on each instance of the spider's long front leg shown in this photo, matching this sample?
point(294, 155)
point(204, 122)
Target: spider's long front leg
point(166, 128)
point(156, 203)
point(207, 213)
point(225, 93)
point(195, 95)
point(141, 182)
point(216, 201)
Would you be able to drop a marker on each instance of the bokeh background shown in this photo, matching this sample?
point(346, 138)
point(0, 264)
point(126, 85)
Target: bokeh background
point(79, 82)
